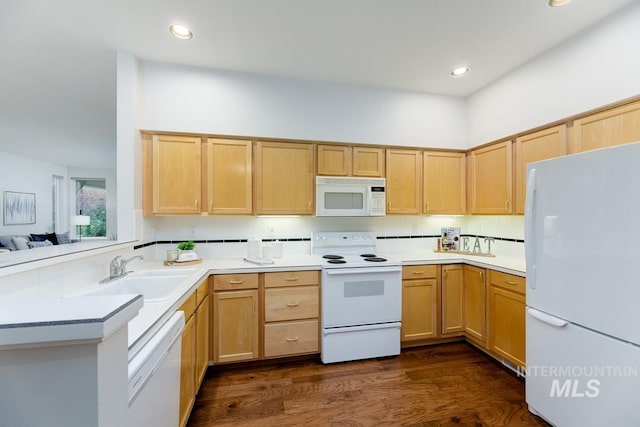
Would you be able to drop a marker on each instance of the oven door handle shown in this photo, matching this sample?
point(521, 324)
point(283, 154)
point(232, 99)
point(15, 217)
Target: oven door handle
point(346, 329)
point(377, 270)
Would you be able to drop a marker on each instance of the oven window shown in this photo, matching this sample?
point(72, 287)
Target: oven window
point(334, 200)
point(363, 288)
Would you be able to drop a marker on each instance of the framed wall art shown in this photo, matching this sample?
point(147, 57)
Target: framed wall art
point(19, 208)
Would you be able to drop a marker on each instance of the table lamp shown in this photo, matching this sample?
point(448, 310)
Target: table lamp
point(80, 220)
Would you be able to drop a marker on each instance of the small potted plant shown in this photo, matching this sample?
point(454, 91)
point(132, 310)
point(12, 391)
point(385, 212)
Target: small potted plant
point(186, 252)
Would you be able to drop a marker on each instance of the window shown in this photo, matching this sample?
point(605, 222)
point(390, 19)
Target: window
point(91, 200)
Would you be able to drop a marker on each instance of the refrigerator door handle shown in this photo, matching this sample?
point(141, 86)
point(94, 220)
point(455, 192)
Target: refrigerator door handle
point(529, 250)
point(546, 318)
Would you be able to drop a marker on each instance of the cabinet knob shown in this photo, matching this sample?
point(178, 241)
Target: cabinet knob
point(418, 272)
point(510, 282)
point(293, 304)
point(235, 282)
point(210, 205)
point(196, 202)
point(291, 279)
point(292, 339)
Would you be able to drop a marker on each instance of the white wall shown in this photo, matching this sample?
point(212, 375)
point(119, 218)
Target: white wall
point(22, 174)
point(128, 148)
point(594, 68)
point(188, 99)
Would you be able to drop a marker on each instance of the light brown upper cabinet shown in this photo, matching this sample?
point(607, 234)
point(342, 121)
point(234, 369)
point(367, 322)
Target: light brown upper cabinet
point(491, 173)
point(545, 144)
point(404, 181)
point(346, 160)
point(444, 182)
point(175, 171)
point(283, 178)
point(368, 161)
point(616, 126)
point(334, 160)
point(228, 172)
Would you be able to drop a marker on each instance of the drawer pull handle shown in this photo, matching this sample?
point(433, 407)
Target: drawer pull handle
point(293, 304)
point(510, 282)
point(235, 282)
point(418, 272)
point(291, 279)
point(292, 339)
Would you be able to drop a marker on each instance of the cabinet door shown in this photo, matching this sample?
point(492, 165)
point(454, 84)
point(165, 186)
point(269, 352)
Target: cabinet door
point(419, 309)
point(334, 160)
point(404, 181)
point(187, 370)
point(491, 169)
point(368, 161)
point(284, 178)
point(176, 175)
point(616, 126)
point(444, 183)
point(202, 340)
point(229, 176)
point(452, 299)
point(235, 323)
point(545, 144)
point(507, 325)
point(475, 303)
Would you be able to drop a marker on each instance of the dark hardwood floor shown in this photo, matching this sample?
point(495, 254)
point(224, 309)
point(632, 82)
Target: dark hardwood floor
point(440, 385)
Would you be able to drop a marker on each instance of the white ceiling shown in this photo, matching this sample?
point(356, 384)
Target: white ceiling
point(57, 58)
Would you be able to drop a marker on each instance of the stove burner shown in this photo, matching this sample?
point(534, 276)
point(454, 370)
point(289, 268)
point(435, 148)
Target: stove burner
point(332, 257)
point(368, 255)
point(336, 261)
point(375, 259)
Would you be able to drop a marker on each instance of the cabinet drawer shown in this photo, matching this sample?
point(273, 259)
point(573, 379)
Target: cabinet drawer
point(290, 278)
point(507, 281)
point(291, 303)
point(281, 339)
point(189, 306)
point(229, 282)
point(419, 271)
point(201, 292)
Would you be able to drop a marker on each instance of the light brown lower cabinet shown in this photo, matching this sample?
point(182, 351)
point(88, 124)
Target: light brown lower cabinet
point(507, 334)
point(419, 303)
point(265, 315)
point(451, 291)
point(475, 304)
point(291, 313)
point(235, 324)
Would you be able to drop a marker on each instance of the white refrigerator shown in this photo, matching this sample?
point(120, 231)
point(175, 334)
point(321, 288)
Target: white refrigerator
point(582, 244)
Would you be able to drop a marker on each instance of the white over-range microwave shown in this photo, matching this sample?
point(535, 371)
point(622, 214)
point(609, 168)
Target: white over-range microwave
point(348, 196)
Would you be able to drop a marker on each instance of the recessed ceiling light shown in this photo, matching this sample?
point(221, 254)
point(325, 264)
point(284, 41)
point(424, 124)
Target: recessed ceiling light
point(556, 3)
point(460, 71)
point(180, 31)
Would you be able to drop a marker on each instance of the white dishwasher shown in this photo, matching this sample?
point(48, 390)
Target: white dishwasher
point(154, 378)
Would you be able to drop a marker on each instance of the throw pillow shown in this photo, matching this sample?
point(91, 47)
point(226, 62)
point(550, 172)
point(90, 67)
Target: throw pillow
point(42, 237)
point(63, 238)
point(7, 243)
point(20, 243)
point(39, 244)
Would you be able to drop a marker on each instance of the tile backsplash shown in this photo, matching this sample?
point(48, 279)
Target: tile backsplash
point(408, 233)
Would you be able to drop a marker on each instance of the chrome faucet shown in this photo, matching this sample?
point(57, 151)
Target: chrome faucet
point(118, 267)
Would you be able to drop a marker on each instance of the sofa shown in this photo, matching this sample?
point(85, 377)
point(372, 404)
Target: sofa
point(17, 242)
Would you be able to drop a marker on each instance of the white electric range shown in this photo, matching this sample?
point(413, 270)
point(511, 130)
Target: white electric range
point(361, 297)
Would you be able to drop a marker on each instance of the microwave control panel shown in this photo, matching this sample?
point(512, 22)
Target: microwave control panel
point(377, 201)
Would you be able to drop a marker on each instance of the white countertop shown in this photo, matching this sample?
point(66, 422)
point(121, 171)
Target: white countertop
point(153, 315)
point(50, 321)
